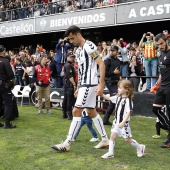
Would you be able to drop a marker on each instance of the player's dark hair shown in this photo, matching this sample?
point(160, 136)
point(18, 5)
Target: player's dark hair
point(72, 29)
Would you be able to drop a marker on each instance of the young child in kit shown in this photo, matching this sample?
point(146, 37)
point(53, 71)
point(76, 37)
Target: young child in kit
point(121, 123)
point(85, 119)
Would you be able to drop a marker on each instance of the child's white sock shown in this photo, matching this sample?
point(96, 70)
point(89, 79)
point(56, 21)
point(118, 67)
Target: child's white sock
point(111, 146)
point(100, 127)
point(135, 144)
point(75, 124)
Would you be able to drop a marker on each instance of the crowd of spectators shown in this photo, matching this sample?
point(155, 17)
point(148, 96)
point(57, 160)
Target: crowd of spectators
point(132, 56)
point(19, 9)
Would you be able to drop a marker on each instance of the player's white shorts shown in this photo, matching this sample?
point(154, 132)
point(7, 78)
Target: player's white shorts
point(86, 97)
point(125, 132)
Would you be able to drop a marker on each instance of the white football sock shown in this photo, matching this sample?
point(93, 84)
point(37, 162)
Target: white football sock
point(100, 127)
point(111, 146)
point(75, 125)
point(135, 144)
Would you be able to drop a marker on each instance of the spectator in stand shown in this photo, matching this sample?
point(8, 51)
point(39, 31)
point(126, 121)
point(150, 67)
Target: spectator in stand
point(113, 2)
point(99, 3)
point(105, 51)
point(61, 6)
point(134, 69)
point(34, 60)
point(54, 7)
point(94, 2)
point(11, 54)
point(99, 49)
point(15, 10)
point(60, 58)
point(36, 8)
point(9, 60)
point(48, 11)
point(22, 47)
point(166, 33)
point(12, 61)
point(123, 57)
point(30, 49)
point(76, 5)
point(52, 54)
point(19, 10)
point(30, 8)
point(151, 60)
point(114, 42)
point(87, 4)
point(9, 10)
point(22, 56)
point(106, 2)
point(135, 45)
point(28, 72)
point(140, 56)
point(67, 8)
point(43, 54)
point(53, 69)
point(46, 1)
point(19, 72)
point(124, 43)
point(25, 9)
point(42, 75)
point(3, 13)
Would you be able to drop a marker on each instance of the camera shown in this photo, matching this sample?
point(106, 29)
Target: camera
point(147, 34)
point(67, 40)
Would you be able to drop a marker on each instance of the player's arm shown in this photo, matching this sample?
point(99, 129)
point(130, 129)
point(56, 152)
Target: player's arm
point(159, 79)
point(107, 97)
point(101, 64)
point(141, 41)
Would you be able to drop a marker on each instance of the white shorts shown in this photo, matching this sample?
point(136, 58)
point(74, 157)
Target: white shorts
point(86, 97)
point(125, 132)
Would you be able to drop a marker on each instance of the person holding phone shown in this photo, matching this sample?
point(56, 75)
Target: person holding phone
point(112, 76)
point(150, 59)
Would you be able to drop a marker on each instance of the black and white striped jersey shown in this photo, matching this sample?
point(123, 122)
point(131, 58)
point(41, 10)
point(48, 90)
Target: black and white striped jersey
point(86, 56)
point(123, 106)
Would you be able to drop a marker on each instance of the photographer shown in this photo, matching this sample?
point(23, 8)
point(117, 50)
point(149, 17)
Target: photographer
point(112, 76)
point(60, 58)
point(150, 59)
point(6, 83)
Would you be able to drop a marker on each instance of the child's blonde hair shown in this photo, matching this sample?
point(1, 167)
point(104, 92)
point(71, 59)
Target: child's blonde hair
point(128, 86)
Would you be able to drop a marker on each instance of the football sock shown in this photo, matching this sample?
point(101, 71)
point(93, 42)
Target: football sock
point(135, 144)
point(111, 146)
point(75, 125)
point(100, 127)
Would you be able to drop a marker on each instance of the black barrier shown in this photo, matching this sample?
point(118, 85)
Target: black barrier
point(142, 102)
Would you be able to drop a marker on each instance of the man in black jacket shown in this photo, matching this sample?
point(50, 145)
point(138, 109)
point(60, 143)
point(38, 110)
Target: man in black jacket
point(112, 76)
point(69, 86)
point(6, 83)
point(162, 96)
